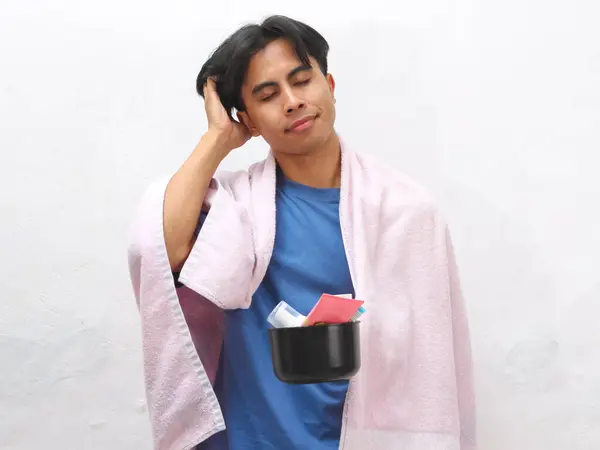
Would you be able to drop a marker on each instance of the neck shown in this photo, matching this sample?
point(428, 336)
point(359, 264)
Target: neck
point(321, 168)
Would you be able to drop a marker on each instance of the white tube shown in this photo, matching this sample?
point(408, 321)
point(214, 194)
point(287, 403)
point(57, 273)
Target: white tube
point(284, 316)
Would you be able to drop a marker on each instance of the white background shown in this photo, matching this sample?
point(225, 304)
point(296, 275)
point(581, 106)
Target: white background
point(494, 105)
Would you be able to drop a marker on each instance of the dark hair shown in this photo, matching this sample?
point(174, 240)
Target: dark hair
point(229, 62)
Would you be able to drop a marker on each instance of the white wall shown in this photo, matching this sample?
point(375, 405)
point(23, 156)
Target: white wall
point(493, 105)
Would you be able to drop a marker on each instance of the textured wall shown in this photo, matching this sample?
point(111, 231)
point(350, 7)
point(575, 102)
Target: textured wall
point(494, 105)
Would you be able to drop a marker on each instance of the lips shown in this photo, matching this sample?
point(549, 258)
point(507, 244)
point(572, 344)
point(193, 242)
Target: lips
point(301, 123)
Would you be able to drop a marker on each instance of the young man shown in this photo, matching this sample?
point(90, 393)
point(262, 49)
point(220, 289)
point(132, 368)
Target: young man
point(213, 254)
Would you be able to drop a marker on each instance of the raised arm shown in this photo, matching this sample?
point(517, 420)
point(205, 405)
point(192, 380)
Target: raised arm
point(187, 189)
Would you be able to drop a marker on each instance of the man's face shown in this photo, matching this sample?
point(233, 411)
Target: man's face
point(289, 104)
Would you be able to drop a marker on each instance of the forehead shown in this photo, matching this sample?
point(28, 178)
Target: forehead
point(274, 61)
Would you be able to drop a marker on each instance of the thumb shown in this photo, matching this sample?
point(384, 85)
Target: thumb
point(210, 89)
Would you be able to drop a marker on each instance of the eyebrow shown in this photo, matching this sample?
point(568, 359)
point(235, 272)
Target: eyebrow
point(259, 87)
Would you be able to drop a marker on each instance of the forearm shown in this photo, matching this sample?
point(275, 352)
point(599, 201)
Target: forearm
point(184, 196)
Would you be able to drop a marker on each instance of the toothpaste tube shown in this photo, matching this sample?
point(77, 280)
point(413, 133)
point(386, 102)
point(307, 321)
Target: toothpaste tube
point(284, 316)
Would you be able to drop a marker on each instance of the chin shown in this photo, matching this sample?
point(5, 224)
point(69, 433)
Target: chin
point(304, 146)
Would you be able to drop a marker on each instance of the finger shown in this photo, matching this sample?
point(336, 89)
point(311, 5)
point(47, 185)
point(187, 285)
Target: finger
point(206, 89)
point(210, 88)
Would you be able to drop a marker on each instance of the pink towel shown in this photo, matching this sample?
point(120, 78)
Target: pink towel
point(414, 390)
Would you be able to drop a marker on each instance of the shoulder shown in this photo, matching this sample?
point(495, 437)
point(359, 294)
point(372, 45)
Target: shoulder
point(241, 179)
point(401, 203)
point(394, 187)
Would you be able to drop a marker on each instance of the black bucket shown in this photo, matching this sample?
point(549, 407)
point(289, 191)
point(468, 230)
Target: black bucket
point(316, 354)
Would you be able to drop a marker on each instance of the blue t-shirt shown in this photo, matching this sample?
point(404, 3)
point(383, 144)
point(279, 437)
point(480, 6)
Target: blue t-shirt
point(309, 259)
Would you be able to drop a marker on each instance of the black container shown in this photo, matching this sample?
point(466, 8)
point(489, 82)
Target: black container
point(317, 353)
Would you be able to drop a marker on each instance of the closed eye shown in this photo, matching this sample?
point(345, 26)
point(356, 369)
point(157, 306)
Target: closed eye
point(267, 98)
point(297, 83)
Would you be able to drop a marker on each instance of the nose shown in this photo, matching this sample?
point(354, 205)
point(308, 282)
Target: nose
point(292, 102)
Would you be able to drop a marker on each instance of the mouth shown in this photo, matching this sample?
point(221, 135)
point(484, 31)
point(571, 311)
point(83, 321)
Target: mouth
point(301, 124)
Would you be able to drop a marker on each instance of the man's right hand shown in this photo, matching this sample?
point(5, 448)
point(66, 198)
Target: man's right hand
point(187, 189)
point(228, 133)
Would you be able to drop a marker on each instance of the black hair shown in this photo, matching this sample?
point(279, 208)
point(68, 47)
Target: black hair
point(229, 62)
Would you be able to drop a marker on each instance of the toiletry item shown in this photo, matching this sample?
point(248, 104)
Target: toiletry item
point(359, 313)
point(333, 309)
point(284, 316)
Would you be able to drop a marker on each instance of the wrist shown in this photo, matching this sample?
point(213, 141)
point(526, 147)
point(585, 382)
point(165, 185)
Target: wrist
point(209, 152)
point(215, 143)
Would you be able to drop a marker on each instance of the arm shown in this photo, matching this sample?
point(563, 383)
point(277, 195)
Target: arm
point(184, 196)
point(187, 189)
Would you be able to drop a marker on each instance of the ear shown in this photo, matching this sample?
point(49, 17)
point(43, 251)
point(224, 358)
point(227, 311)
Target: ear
point(331, 83)
point(244, 118)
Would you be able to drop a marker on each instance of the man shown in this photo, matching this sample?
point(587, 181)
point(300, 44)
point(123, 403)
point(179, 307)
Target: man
point(313, 218)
